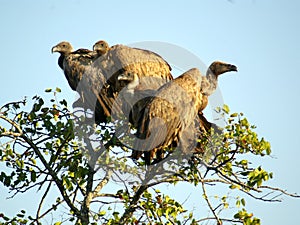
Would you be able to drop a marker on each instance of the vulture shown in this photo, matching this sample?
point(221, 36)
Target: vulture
point(134, 99)
point(172, 118)
point(96, 72)
point(101, 47)
point(73, 63)
point(76, 65)
point(120, 60)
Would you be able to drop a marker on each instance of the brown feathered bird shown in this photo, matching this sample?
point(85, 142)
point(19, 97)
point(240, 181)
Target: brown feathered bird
point(76, 65)
point(153, 71)
point(134, 99)
point(101, 47)
point(96, 72)
point(172, 117)
point(73, 63)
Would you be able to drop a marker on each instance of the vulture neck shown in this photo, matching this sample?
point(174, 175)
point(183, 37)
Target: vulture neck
point(213, 82)
point(133, 84)
point(61, 60)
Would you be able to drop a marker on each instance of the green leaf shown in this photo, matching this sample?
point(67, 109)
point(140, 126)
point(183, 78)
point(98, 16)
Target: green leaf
point(48, 90)
point(234, 115)
point(20, 163)
point(5, 218)
point(58, 89)
point(243, 202)
point(244, 162)
point(33, 176)
point(33, 161)
point(64, 102)
point(245, 122)
point(102, 213)
point(226, 108)
point(45, 110)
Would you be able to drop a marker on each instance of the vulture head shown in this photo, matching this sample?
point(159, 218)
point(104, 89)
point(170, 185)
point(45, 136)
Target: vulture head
point(210, 82)
point(132, 85)
point(63, 47)
point(101, 47)
point(131, 80)
point(218, 68)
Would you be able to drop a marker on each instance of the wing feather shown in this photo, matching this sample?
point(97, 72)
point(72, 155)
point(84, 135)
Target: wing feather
point(101, 78)
point(76, 64)
point(153, 71)
point(169, 114)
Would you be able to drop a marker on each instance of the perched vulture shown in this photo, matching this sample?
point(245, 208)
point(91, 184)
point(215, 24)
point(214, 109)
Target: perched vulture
point(172, 118)
point(97, 73)
point(210, 81)
point(73, 63)
point(153, 72)
point(101, 47)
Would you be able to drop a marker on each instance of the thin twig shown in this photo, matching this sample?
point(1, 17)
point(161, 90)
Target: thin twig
point(57, 181)
point(280, 190)
point(222, 219)
point(208, 202)
point(42, 201)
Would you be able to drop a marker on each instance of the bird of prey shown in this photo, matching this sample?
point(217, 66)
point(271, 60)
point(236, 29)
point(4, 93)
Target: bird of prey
point(210, 81)
point(73, 63)
point(153, 71)
point(97, 73)
point(134, 99)
point(173, 116)
point(76, 65)
point(101, 47)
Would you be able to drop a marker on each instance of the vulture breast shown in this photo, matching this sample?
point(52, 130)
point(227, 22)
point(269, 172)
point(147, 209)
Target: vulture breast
point(169, 114)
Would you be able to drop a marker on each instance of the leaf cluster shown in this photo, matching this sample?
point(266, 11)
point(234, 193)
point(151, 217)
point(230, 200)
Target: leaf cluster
point(49, 148)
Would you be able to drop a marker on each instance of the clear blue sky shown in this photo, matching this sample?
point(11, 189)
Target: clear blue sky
point(261, 37)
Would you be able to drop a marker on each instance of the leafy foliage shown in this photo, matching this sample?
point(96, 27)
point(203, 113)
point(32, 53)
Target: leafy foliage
point(49, 147)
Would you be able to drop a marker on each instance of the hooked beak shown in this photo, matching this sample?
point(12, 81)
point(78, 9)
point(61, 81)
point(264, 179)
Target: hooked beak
point(123, 77)
point(54, 49)
point(233, 68)
point(94, 47)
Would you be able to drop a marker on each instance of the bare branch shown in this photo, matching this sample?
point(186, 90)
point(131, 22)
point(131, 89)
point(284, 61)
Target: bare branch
point(208, 202)
point(42, 201)
point(102, 183)
point(14, 124)
point(221, 219)
point(57, 181)
point(282, 191)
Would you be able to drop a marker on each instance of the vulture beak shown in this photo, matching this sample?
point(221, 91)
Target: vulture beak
point(94, 47)
point(54, 49)
point(232, 68)
point(123, 77)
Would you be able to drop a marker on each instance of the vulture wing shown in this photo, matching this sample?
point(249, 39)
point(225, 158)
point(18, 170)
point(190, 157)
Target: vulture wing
point(76, 64)
point(97, 74)
point(169, 115)
point(152, 70)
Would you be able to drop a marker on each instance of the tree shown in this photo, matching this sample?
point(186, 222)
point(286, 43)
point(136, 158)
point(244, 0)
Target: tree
point(48, 147)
